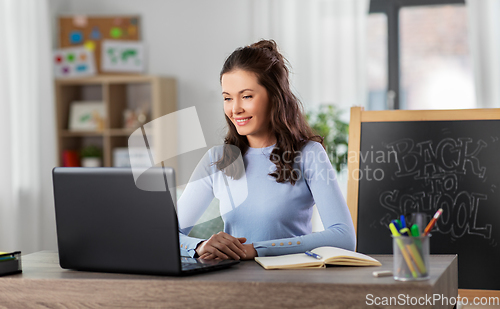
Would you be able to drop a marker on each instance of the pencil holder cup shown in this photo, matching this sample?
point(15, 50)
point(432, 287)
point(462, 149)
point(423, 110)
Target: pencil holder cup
point(411, 257)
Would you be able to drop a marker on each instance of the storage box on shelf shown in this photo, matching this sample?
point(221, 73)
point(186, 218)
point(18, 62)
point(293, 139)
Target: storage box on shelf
point(155, 95)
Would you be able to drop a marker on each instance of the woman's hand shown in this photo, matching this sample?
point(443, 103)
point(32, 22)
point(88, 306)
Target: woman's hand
point(222, 246)
point(251, 253)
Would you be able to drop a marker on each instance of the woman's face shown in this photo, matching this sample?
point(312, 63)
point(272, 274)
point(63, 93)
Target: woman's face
point(246, 104)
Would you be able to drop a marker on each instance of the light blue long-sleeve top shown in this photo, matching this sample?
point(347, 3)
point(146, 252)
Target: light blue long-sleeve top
point(275, 217)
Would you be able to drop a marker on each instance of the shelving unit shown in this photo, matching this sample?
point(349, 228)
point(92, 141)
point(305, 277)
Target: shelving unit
point(118, 93)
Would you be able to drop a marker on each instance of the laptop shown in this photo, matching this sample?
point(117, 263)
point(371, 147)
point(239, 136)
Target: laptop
point(107, 221)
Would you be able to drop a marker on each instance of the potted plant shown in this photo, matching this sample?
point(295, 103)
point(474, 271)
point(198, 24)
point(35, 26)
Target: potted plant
point(91, 156)
point(326, 122)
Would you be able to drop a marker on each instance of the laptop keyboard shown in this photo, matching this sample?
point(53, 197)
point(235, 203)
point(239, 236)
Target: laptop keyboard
point(192, 263)
point(188, 266)
point(188, 263)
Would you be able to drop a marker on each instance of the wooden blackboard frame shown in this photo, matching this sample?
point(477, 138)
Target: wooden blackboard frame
point(359, 116)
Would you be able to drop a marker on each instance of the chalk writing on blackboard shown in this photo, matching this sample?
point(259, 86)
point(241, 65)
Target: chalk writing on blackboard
point(438, 169)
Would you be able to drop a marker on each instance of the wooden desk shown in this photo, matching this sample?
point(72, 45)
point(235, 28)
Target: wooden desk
point(246, 285)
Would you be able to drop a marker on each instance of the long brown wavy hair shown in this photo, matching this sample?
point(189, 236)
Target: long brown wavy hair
point(288, 123)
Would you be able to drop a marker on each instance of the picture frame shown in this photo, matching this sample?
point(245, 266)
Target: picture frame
point(87, 116)
point(123, 56)
point(73, 62)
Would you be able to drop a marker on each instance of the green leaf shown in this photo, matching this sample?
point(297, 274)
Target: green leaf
point(326, 122)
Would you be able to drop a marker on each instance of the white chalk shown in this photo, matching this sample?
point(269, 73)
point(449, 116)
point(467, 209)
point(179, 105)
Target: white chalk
point(384, 273)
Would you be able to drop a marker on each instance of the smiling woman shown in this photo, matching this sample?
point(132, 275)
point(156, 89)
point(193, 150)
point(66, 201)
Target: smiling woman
point(266, 201)
point(261, 67)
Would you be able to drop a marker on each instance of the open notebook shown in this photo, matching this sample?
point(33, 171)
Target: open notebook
point(330, 255)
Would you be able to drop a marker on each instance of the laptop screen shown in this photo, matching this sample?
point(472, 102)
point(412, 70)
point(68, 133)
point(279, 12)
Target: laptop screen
point(105, 222)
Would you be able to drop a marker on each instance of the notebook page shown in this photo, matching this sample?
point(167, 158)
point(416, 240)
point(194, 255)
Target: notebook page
point(329, 252)
point(288, 260)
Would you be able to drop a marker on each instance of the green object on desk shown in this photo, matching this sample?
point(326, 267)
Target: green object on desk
point(414, 230)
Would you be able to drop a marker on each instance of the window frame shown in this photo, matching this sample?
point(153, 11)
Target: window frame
point(391, 9)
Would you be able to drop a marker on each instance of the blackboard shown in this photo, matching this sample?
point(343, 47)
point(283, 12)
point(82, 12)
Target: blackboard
point(423, 165)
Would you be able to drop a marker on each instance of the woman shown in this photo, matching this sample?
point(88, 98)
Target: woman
point(284, 171)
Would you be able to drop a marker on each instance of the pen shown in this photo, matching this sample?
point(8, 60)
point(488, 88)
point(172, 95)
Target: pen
point(429, 226)
point(314, 255)
point(412, 249)
point(403, 221)
point(397, 224)
point(415, 230)
point(394, 229)
point(404, 231)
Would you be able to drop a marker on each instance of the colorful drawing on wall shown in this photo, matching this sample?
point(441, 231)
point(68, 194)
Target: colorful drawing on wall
point(132, 30)
point(76, 37)
point(80, 21)
point(96, 34)
point(90, 45)
point(122, 56)
point(116, 32)
point(73, 62)
point(87, 116)
point(77, 30)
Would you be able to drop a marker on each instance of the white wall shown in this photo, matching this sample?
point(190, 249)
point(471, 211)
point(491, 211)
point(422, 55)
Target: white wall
point(187, 40)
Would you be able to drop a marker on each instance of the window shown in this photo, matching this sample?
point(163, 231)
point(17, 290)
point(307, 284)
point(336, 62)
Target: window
point(376, 29)
point(427, 59)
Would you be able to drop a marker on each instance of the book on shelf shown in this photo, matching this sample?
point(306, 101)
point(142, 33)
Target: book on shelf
point(329, 256)
point(10, 263)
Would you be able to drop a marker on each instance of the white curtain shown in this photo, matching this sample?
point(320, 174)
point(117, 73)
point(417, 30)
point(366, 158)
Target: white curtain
point(484, 33)
point(324, 40)
point(27, 131)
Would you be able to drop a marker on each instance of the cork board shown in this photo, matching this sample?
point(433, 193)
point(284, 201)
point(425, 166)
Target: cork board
point(89, 31)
